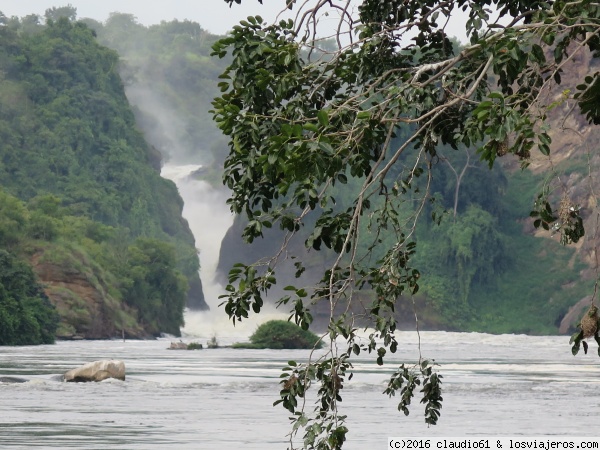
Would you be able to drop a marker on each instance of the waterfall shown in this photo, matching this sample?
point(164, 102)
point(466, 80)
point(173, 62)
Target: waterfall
point(209, 218)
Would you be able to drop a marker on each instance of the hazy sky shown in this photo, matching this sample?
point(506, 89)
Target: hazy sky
point(213, 15)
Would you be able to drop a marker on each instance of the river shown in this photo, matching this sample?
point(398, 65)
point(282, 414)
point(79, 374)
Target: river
point(222, 398)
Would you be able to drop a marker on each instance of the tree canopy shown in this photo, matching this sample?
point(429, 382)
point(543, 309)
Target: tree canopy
point(304, 117)
point(81, 190)
point(26, 315)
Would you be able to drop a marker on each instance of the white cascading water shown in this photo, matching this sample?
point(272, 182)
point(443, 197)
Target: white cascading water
point(209, 218)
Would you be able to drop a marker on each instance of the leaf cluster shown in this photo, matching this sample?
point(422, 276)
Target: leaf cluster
point(405, 381)
point(300, 125)
point(326, 430)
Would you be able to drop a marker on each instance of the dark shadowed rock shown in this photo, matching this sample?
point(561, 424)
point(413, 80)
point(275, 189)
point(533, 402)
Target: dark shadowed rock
point(13, 380)
point(195, 296)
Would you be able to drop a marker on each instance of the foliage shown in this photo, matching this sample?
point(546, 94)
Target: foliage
point(194, 346)
point(301, 123)
point(26, 315)
point(281, 334)
point(588, 327)
point(405, 381)
point(213, 343)
point(168, 71)
point(154, 287)
point(80, 183)
point(469, 250)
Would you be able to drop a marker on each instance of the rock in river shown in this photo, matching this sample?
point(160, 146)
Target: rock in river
point(178, 346)
point(13, 380)
point(97, 371)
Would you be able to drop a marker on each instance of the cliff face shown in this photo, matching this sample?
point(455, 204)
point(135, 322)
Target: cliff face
point(86, 308)
point(83, 299)
point(573, 168)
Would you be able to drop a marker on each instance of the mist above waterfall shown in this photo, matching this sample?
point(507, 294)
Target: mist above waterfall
point(159, 121)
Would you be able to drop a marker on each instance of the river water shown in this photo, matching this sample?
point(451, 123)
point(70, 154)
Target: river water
point(222, 398)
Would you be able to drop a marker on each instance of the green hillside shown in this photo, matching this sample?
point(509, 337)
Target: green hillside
point(84, 206)
point(171, 79)
point(101, 228)
point(482, 267)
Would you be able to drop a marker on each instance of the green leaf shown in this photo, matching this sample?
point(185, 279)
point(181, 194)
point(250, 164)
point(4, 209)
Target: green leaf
point(311, 127)
point(326, 147)
point(323, 118)
point(481, 115)
point(548, 38)
point(537, 54)
point(545, 139)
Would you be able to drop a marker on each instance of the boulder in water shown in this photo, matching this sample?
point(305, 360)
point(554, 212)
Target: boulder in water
point(13, 380)
point(97, 371)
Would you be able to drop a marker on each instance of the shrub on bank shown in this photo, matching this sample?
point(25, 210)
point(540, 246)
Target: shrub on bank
point(194, 346)
point(281, 334)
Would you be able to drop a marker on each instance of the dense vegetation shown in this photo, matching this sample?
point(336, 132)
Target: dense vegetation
point(81, 187)
point(110, 215)
point(476, 260)
point(26, 315)
point(171, 79)
point(281, 334)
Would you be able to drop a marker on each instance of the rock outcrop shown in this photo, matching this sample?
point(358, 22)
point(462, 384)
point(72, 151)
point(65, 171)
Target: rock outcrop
point(82, 297)
point(573, 316)
point(97, 371)
point(178, 346)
